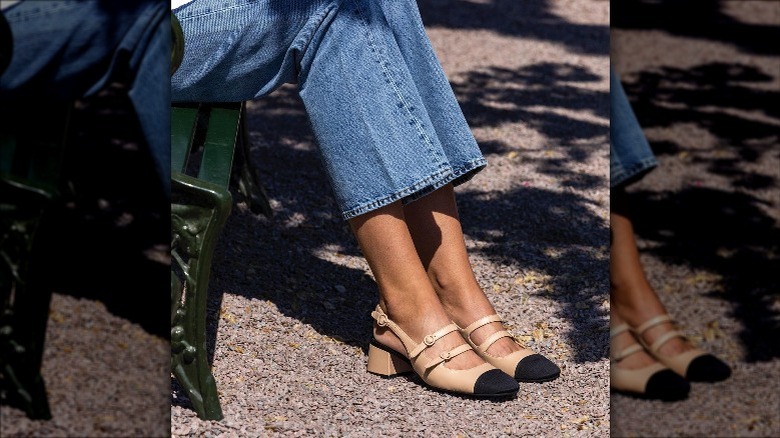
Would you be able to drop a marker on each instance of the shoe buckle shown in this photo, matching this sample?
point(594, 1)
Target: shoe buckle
point(429, 340)
point(381, 320)
point(446, 356)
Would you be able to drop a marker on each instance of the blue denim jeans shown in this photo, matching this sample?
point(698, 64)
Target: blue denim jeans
point(68, 49)
point(630, 155)
point(383, 113)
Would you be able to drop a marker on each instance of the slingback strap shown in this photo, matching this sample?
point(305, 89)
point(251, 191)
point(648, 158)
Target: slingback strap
point(660, 319)
point(431, 339)
point(483, 347)
point(665, 337)
point(446, 356)
point(414, 349)
point(480, 322)
point(614, 331)
point(628, 351)
point(383, 321)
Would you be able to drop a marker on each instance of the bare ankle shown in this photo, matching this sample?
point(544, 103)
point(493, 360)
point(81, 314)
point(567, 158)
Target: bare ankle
point(464, 309)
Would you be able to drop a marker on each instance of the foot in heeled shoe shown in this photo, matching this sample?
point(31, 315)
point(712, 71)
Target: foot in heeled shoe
point(690, 362)
point(522, 364)
point(480, 381)
point(635, 373)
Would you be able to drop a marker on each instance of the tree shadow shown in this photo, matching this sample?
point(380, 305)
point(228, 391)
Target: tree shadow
point(280, 260)
point(727, 232)
point(558, 235)
point(113, 228)
point(699, 20)
point(721, 98)
point(529, 19)
point(534, 96)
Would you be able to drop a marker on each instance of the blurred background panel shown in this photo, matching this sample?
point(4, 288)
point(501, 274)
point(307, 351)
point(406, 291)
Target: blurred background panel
point(74, 132)
point(704, 80)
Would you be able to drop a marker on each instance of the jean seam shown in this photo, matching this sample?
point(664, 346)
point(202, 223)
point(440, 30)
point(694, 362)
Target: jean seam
point(382, 61)
point(212, 11)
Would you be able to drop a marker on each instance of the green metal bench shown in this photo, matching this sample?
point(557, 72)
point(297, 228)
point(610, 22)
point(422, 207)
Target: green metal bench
point(200, 205)
point(29, 182)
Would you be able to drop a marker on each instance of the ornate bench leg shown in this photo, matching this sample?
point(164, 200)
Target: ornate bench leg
point(198, 213)
point(247, 180)
point(24, 296)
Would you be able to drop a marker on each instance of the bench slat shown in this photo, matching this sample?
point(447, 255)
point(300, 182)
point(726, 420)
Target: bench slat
point(183, 121)
point(218, 147)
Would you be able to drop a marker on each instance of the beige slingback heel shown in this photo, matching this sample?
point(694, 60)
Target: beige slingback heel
point(655, 381)
point(524, 365)
point(482, 381)
point(695, 365)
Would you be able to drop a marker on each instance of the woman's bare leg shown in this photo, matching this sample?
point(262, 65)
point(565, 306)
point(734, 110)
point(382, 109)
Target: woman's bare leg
point(438, 239)
point(632, 297)
point(405, 293)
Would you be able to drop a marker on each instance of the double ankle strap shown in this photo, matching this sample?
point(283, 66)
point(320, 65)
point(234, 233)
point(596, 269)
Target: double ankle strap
point(628, 351)
point(414, 349)
point(652, 322)
point(485, 345)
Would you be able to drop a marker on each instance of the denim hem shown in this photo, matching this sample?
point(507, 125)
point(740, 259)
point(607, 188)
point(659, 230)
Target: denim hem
point(633, 173)
point(457, 177)
point(422, 187)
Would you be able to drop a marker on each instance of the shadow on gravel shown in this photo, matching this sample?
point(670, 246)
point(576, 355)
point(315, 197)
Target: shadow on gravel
point(535, 95)
point(529, 19)
point(277, 260)
point(726, 234)
point(701, 20)
point(719, 231)
point(113, 233)
point(718, 98)
point(556, 234)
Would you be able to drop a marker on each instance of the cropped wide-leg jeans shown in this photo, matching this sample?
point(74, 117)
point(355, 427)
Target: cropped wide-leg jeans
point(69, 49)
point(384, 115)
point(630, 155)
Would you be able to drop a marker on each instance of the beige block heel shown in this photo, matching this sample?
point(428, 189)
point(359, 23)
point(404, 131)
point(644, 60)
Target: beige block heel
point(483, 381)
point(386, 363)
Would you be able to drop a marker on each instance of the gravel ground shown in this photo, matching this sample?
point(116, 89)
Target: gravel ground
point(289, 311)
point(104, 376)
point(106, 360)
point(708, 218)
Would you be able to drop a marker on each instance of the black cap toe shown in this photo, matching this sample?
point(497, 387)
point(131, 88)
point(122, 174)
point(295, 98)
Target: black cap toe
point(667, 385)
point(536, 368)
point(495, 383)
point(707, 368)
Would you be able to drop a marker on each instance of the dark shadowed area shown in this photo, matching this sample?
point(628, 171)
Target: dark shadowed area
point(106, 358)
point(703, 78)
